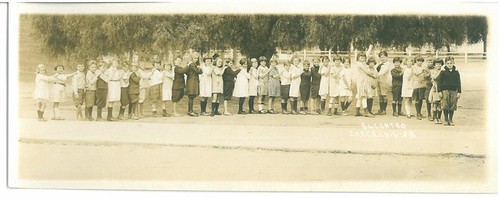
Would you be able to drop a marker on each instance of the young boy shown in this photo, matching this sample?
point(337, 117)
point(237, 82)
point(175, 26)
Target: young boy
point(124, 98)
point(228, 84)
point(419, 85)
point(263, 80)
point(397, 86)
point(450, 87)
point(179, 84)
point(78, 83)
point(144, 85)
point(428, 86)
point(134, 91)
point(253, 83)
point(305, 87)
point(358, 68)
point(371, 85)
point(155, 86)
point(193, 84)
point(315, 81)
point(285, 80)
point(384, 81)
point(101, 92)
point(90, 85)
point(334, 86)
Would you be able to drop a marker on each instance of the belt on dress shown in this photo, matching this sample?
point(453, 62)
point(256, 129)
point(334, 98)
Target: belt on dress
point(60, 83)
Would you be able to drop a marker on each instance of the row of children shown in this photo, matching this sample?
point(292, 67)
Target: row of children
point(335, 79)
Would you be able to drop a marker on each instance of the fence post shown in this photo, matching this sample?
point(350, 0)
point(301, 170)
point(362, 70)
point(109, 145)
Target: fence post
point(330, 54)
point(465, 57)
point(304, 54)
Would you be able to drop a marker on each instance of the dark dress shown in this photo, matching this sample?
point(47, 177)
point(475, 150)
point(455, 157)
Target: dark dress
point(228, 82)
point(315, 81)
point(133, 88)
point(305, 85)
point(179, 83)
point(101, 92)
point(193, 80)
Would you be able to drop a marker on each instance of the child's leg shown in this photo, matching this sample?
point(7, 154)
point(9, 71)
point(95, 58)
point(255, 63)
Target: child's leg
point(369, 103)
point(284, 109)
point(174, 107)
point(365, 105)
point(203, 105)
point(429, 107)
point(270, 104)
point(250, 104)
point(241, 102)
point(305, 105)
point(407, 102)
point(226, 110)
point(323, 104)
point(110, 111)
point(330, 105)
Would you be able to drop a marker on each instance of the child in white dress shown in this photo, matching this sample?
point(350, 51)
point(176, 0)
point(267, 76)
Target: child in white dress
point(41, 93)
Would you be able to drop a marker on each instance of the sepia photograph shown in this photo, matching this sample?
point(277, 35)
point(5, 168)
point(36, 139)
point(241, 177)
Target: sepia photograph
point(320, 97)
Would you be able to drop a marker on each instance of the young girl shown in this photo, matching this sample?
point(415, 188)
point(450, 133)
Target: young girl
point(371, 83)
point(345, 79)
point(90, 84)
point(217, 86)
point(78, 84)
point(41, 93)
point(397, 86)
point(228, 85)
point(406, 88)
point(418, 84)
point(59, 90)
point(334, 85)
point(253, 83)
point(295, 72)
point(325, 82)
point(358, 68)
point(134, 91)
point(449, 85)
point(263, 81)
point(434, 95)
point(167, 83)
point(428, 67)
point(114, 88)
point(124, 98)
point(155, 87)
point(193, 83)
point(315, 82)
point(205, 84)
point(179, 84)
point(241, 85)
point(273, 85)
point(305, 87)
point(285, 78)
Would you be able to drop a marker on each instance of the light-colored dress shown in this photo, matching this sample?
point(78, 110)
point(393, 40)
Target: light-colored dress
point(325, 80)
point(274, 82)
point(42, 87)
point(206, 81)
point(295, 83)
point(59, 88)
point(407, 88)
point(367, 84)
point(334, 82)
point(217, 81)
point(241, 84)
point(168, 81)
point(253, 82)
point(345, 80)
point(262, 87)
point(114, 87)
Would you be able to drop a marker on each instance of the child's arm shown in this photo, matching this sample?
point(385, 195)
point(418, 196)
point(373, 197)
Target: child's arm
point(91, 80)
point(296, 73)
point(74, 84)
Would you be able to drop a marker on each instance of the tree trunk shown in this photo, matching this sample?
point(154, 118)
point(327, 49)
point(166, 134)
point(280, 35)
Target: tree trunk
point(484, 48)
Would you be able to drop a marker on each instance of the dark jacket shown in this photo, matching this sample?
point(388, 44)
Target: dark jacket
point(316, 76)
point(397, 77)
point(305, 79)
point(449, 79)
point(101, 84)
point(193, 80)
point(229, 75)
point(133, 87)
point(179, 80)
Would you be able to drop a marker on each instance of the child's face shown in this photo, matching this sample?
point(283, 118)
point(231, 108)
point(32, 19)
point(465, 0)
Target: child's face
point(125, 68)
point(307, 66)
point(167, 66)
point(143, 66)
point(347, 64)
point(449, 64)
point(316, 62)
point(371, 64)
point(177, 61)
point(296, 61)
point(42, 70)
point(362, 59)
point(80, 68)
point(208, 62)
point(93, 68)
point(219, 63)
point(397, 64)
point(383, 58)
point(410, 63)
point(419, 63)
point(156, 65)
point(273, 64)
point(263, 63)
point(134, 68)
point(60, 70)
point(254, 64)
point(338, 63)
point(287, 66)
point(438, 66)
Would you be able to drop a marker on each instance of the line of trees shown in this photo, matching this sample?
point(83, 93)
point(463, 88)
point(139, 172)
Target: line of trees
point(80, 37)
